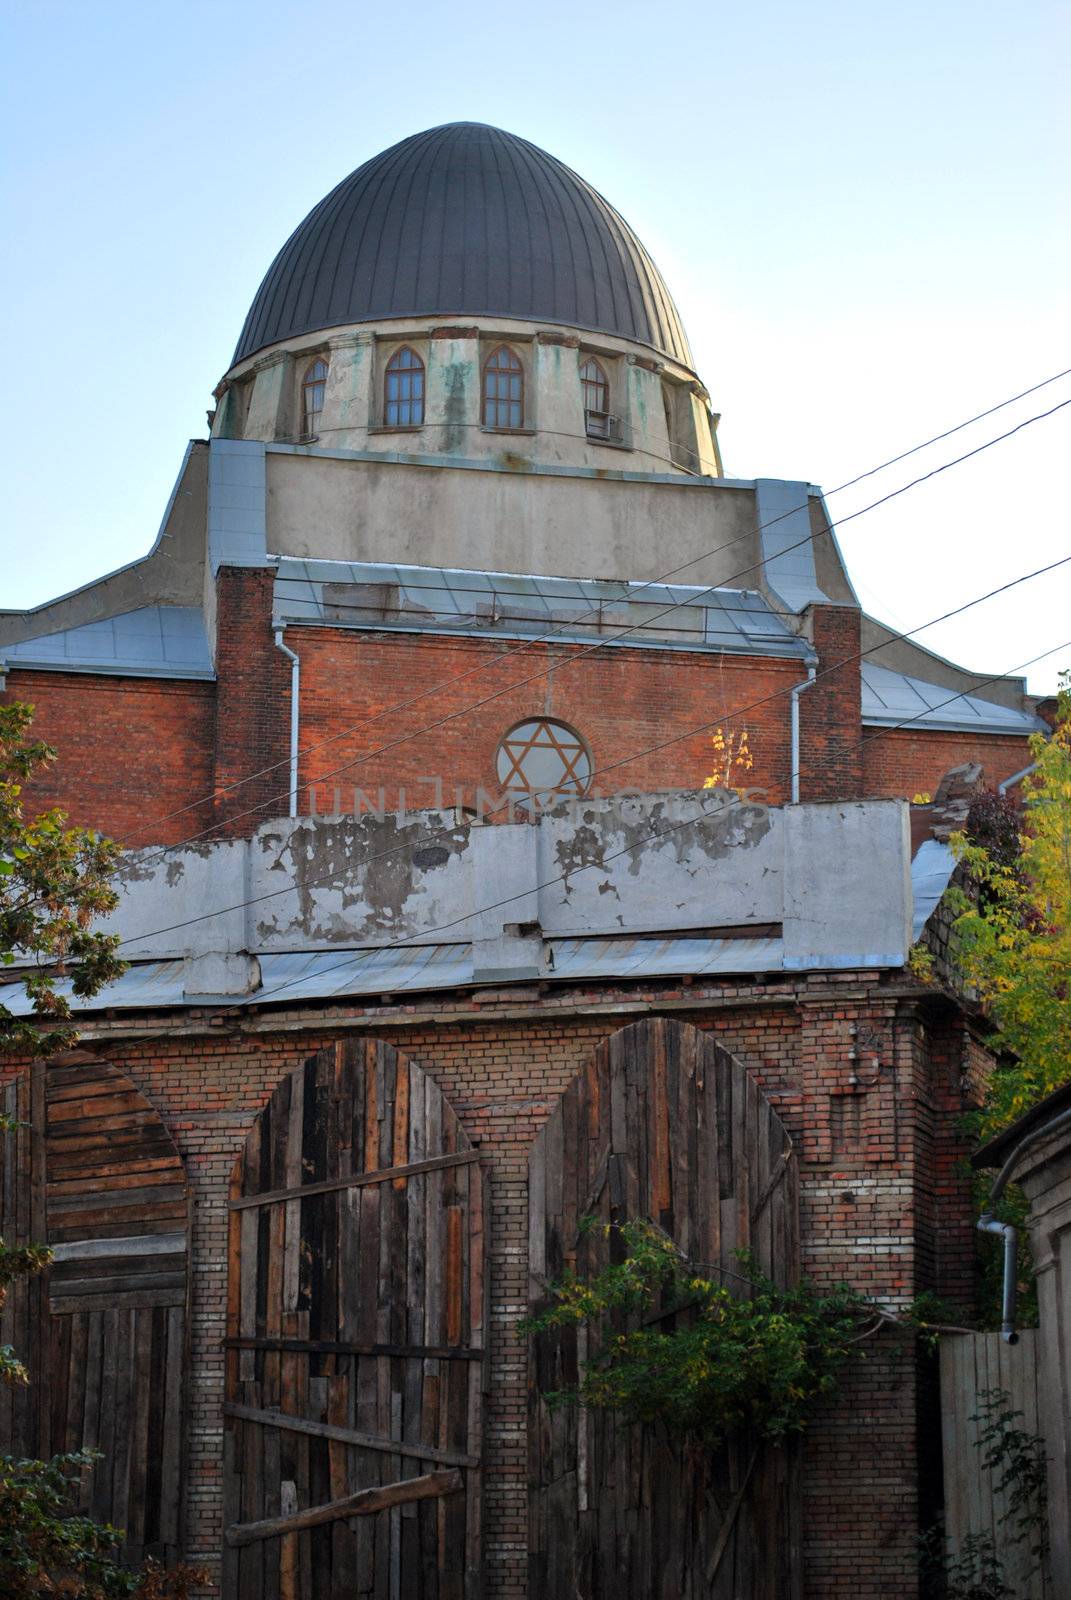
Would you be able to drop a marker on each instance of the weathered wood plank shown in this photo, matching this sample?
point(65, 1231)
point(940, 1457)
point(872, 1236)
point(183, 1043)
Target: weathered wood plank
point(390, 1198)
point(432, 1485)
point(335, 1347)
point(971, 1364)
point(100, 1181)
point(690, 1144)
point(356, 1180)
point(368, 1441)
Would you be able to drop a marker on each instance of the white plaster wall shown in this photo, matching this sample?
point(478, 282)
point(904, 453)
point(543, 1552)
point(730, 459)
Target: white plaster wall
point(509, 520)
point(836, 877)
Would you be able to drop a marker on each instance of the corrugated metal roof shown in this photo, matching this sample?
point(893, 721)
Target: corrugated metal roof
point(891, 698)
point(434, 600)
point(151, 642)
point(464, 220)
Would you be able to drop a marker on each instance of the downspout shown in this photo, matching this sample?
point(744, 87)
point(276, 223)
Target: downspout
point(295, 708)
point(987, 1223)
point(796, 691)
point(1016, 777)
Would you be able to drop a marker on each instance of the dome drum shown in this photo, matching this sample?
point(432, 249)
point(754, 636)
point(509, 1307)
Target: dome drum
point(653, 410)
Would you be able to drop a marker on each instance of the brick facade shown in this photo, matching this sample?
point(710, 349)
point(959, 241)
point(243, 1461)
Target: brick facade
point(902, 762)
point(619, 700)
point(875, 1199)
point(253, 704)
point(133, 751)
point(134, 755)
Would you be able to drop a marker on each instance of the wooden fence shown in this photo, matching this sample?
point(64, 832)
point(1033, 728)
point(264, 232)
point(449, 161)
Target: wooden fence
point(971, 1364)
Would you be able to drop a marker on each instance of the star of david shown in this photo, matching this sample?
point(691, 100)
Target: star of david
point(526, 743)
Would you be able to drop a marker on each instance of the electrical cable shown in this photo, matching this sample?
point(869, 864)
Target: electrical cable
point(608, 767)
point(580, 651)
point(485, 666)
point(895, 727)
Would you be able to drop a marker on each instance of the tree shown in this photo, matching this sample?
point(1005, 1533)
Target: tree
point(1013, 939)
point(54, 882)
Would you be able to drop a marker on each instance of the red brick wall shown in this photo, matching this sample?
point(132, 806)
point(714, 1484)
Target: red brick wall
point(252, 745)
point(867, 1185)
point(899, 763)
point(830, 756)
point(619, 700)
point(134, 750)
point(130, 751)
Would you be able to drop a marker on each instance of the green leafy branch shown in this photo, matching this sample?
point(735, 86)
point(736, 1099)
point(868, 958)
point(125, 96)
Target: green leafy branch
point(54, 882)
point(760, 1360)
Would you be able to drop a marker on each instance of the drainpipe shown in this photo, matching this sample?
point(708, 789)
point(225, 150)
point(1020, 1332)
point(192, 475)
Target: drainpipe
point(796, 691)
point(987, 1223)
point(295, 705)
point(1016, 777)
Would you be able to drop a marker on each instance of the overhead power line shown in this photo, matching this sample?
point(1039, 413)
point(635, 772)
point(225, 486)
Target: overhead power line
point(962, 694)
point(430, 834)
point(581, 650)
point(627, 850)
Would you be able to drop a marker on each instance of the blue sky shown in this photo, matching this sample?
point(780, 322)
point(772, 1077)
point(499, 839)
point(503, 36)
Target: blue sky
point(861, 210)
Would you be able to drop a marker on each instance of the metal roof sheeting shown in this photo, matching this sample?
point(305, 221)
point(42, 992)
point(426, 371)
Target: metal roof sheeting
point(931, 870)
point(407, 969)
point(892, 698)
point(433, 600)
point(151, 642)
point(464, 220)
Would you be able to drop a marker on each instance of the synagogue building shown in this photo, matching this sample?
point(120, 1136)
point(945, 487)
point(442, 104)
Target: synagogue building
point(520, 830)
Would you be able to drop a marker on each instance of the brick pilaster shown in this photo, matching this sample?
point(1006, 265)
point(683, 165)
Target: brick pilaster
point(252, 704)
point(831, 758)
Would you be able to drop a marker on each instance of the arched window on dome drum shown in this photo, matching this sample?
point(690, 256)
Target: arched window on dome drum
point(595, 389)
point(503, 389)
point(403, 390)
point(312, 397)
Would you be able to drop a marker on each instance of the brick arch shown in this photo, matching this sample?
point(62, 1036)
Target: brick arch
point(664, 1124)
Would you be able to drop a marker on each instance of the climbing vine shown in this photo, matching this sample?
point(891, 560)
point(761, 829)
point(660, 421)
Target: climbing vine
point(703, 1360)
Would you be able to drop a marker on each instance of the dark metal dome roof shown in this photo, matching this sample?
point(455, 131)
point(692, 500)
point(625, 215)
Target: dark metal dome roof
point(465, 219)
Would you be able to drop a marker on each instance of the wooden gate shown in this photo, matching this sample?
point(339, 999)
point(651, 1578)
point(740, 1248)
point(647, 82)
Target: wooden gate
point(356, 1340)
point(92, 1171)
point(664, 1125)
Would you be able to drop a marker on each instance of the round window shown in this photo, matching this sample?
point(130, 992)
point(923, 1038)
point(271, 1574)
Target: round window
point(543, 761)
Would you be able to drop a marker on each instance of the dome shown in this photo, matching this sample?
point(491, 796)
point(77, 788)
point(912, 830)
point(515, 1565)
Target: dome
point(465, 220)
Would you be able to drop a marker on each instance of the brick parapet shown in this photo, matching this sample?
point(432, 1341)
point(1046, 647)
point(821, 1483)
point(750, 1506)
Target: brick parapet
point(157, 760)
point(900, 763)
